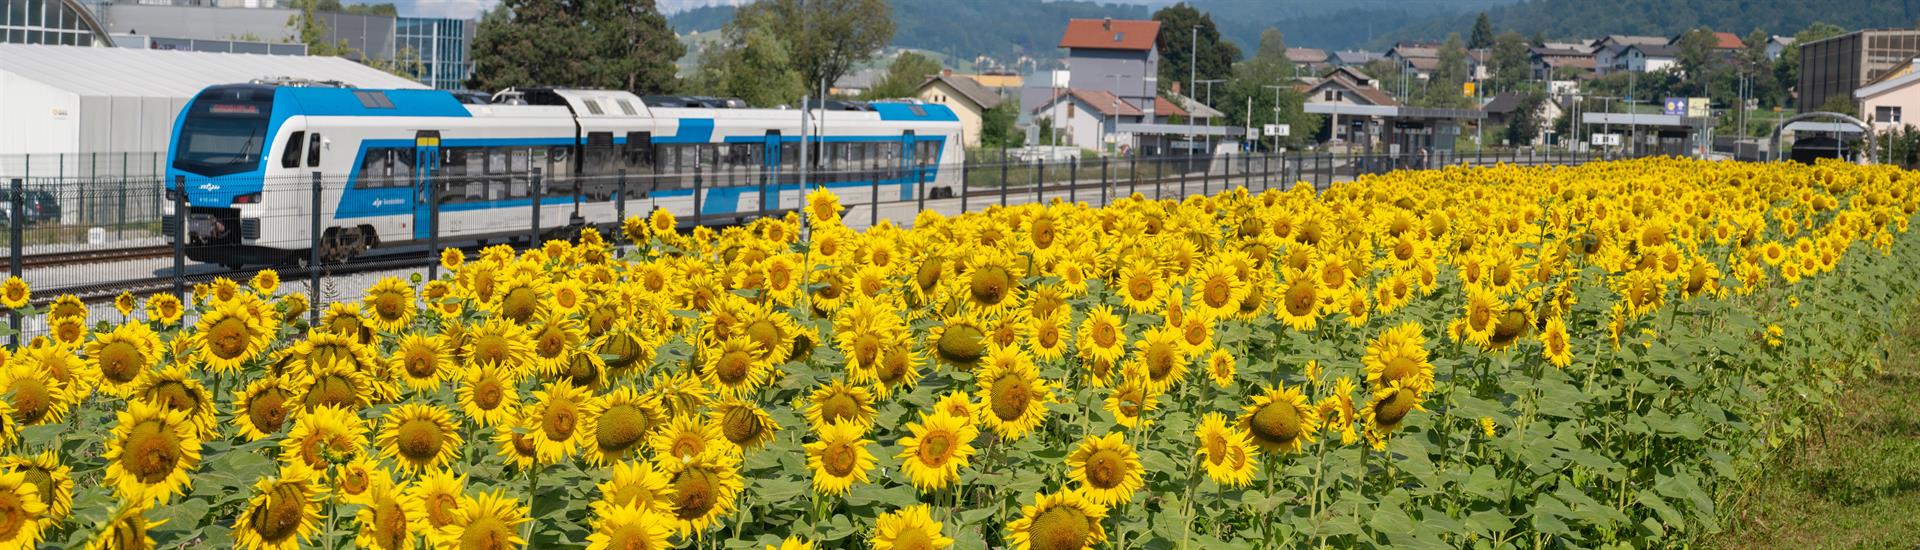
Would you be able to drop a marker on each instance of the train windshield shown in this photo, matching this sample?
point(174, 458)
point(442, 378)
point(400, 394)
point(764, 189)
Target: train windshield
point(225, 130)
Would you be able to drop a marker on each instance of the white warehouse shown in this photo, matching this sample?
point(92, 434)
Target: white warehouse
point(79, 112)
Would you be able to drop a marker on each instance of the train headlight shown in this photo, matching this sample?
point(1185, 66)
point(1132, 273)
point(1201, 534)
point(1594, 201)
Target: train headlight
point(174, 195)
point(249, 198)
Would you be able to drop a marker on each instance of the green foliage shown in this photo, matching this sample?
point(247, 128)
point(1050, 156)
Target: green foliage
point(1178, 45)
point(751, 63)
point(1444, 85)
point(312, 31)
point(1524, 126)
point(1509, 64)
point(825, 38)
point(996, 126)
point(1482, 33)
point(611, 44)
point(1250, 83)
point(904, 76)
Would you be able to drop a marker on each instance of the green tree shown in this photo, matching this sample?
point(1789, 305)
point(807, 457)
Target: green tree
point(1178, 44)
point(1510, 63)
point(1524, 126)
point(826, 37)
point(1695, 55)
point(1786, 71)
point(1539, 39)
point(613, 44)
point(1482, 33)
point(750, 63)
point(1444, 85)
point(1252, 86)
point(904, 76)
point(996, 126)
point(313, 31)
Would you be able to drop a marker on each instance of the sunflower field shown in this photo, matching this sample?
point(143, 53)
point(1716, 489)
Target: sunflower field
point(1492, 357)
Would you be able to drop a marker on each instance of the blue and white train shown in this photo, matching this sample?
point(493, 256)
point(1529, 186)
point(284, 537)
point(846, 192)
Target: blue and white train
point(246, 154)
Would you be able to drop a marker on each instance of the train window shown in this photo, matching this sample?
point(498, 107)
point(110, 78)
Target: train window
point(519, 167)
point(313, 150)
point(373, 99)
point(592, 106)
point(454, 173)
point(374, 169)
point(639, 151)
point(400, 164)
point(291, 157)
point(627, 107)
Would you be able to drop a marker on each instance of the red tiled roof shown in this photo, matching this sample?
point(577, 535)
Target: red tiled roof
point(1110, 34)
point(1727, 41)
point(1107, 104)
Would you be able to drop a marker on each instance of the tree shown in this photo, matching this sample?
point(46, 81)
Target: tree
point(1445, 84)
point(1252, 84)
point(313, 31)
point(1482, 33)
point(1177, 46)
point(1510, 63)
point(1695, 56)
point(1539, 39)
point(750, 63)
point(996, 126)
point(1524, 126)
point(613, 44)
point(827, 37)
point(1787, 71)
point(904, 77)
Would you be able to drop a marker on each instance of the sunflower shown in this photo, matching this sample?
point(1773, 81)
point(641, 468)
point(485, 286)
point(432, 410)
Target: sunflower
point(150, 452)
point(703, 488)
point(1279, 420)
point(1482, 316)
point(164, 308)
point(1046, 336)
point(743, 423)
point(488, 521)
point(68, 331)
point(898, 369)
point(68, 306)
point(14, 293)
point(33, 396)
point(1300, 301)
point(992, 279)
point(1555, 344)
point(439, 493)
point(1386, 412)
point(336, 385)
point(792, 543)
point(1161, 358)
point(823, 208)
point(228, 335)
point(125, 303)
point(1141, 286)
point(1217, 290)
point(22, 514)
point(487, 396)
point(1225, 451)
point(501, 343)
point(51, 481)
point(1337, 410)
point(126, 530)
point(353, 482)
point(282, 514)
point(626, 349)
point(688, 436)
point(1399, 355)
point(1221, 368)
point(1130, 401)
point(959, 341)
point(390, 519)
point(1014, 396)
point(520, 298)
point(324, 437)
point(616, 425)
point(1106, 468)
point(122, 355)
point(735, 367)
point(555, 414)
point(629, 528)
point(940, 446)
point(839, 457)
point(418, 437)
point(910, 528)
point(1102, 336)
point(838, 401)
point(637, 484)
point(421, 361)
point(1064, 520)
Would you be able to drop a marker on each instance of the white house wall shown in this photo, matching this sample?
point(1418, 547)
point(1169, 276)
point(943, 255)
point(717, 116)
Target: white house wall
point(40, 119)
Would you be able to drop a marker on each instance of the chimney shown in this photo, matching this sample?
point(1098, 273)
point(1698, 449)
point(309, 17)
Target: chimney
point(1107, 23)
point(946, 72)
point(1176, 88)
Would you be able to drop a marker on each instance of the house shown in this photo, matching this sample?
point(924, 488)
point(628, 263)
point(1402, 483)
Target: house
point(1119, 57)
point(1094, 119)
point(1885, 103)
point(1645, 58)
point(1310, 59)
point(968, 99)
point(1351, 58)
point(1549, 63)
point(1479, 64)
point(1777, 45)
point(857, 82)
point(1505, 106)
point(998, 80)
point(1417, 59)
point(1607, 50)
point(1347, 87)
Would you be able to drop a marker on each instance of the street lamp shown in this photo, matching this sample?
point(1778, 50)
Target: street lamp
point(1208, 104)
point(1114, 133)
point(1276, 109)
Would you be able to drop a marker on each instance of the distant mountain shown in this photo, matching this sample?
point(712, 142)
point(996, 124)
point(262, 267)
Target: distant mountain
point(1592, 19)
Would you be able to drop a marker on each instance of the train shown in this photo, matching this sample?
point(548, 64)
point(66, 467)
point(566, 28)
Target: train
point(243, 159)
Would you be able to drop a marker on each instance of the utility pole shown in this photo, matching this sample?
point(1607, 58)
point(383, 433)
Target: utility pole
point(1193, 74)
point(1276, 109)
point(1209, 104)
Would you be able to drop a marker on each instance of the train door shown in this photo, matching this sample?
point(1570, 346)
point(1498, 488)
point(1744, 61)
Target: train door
point(908, 168)
point(426, 154)
point(770, 170)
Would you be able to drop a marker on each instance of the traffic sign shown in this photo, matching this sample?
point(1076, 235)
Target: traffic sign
point(1278, 130)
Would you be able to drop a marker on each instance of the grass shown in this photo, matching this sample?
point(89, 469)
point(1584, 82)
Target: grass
point(1858, 486)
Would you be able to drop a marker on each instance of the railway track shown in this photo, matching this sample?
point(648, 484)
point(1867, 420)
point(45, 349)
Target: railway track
point(83, 257)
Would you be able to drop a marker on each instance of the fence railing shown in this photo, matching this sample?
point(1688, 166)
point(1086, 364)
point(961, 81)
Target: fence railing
point(96, 234)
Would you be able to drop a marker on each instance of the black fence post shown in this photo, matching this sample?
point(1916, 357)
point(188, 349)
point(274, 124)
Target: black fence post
point(922, 190)
point(1105, 164)
point(313, 253)
point(433, 228)
point(620, 207)
point(1182, 195)
point(1039, 182)
point(873, 198)
point(698, 184)
point(179, 233)
point(1073, 180)
point(16, 232)
point(1003, 181)
point(763, 193)
point(966, 172)
point(1159, 178)
point(533, 239)
point(1133, 176)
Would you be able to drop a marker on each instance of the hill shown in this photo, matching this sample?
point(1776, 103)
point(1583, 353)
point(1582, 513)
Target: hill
point(1589, 18)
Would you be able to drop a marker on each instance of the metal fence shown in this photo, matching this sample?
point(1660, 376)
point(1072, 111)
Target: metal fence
point(99, 232)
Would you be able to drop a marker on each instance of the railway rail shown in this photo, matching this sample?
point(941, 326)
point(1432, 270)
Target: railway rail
point(84, 257)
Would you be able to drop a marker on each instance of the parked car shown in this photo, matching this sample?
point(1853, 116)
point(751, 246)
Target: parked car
point(40, 207)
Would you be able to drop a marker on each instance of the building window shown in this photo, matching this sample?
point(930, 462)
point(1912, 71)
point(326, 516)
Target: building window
point(1886, 114)
point(1069, 110)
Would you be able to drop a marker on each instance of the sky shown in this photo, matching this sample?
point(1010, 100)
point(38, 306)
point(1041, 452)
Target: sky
point(471, 9)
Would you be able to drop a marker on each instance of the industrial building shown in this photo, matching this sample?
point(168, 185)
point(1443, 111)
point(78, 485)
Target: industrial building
point(1836, 67)
point(67, 106)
